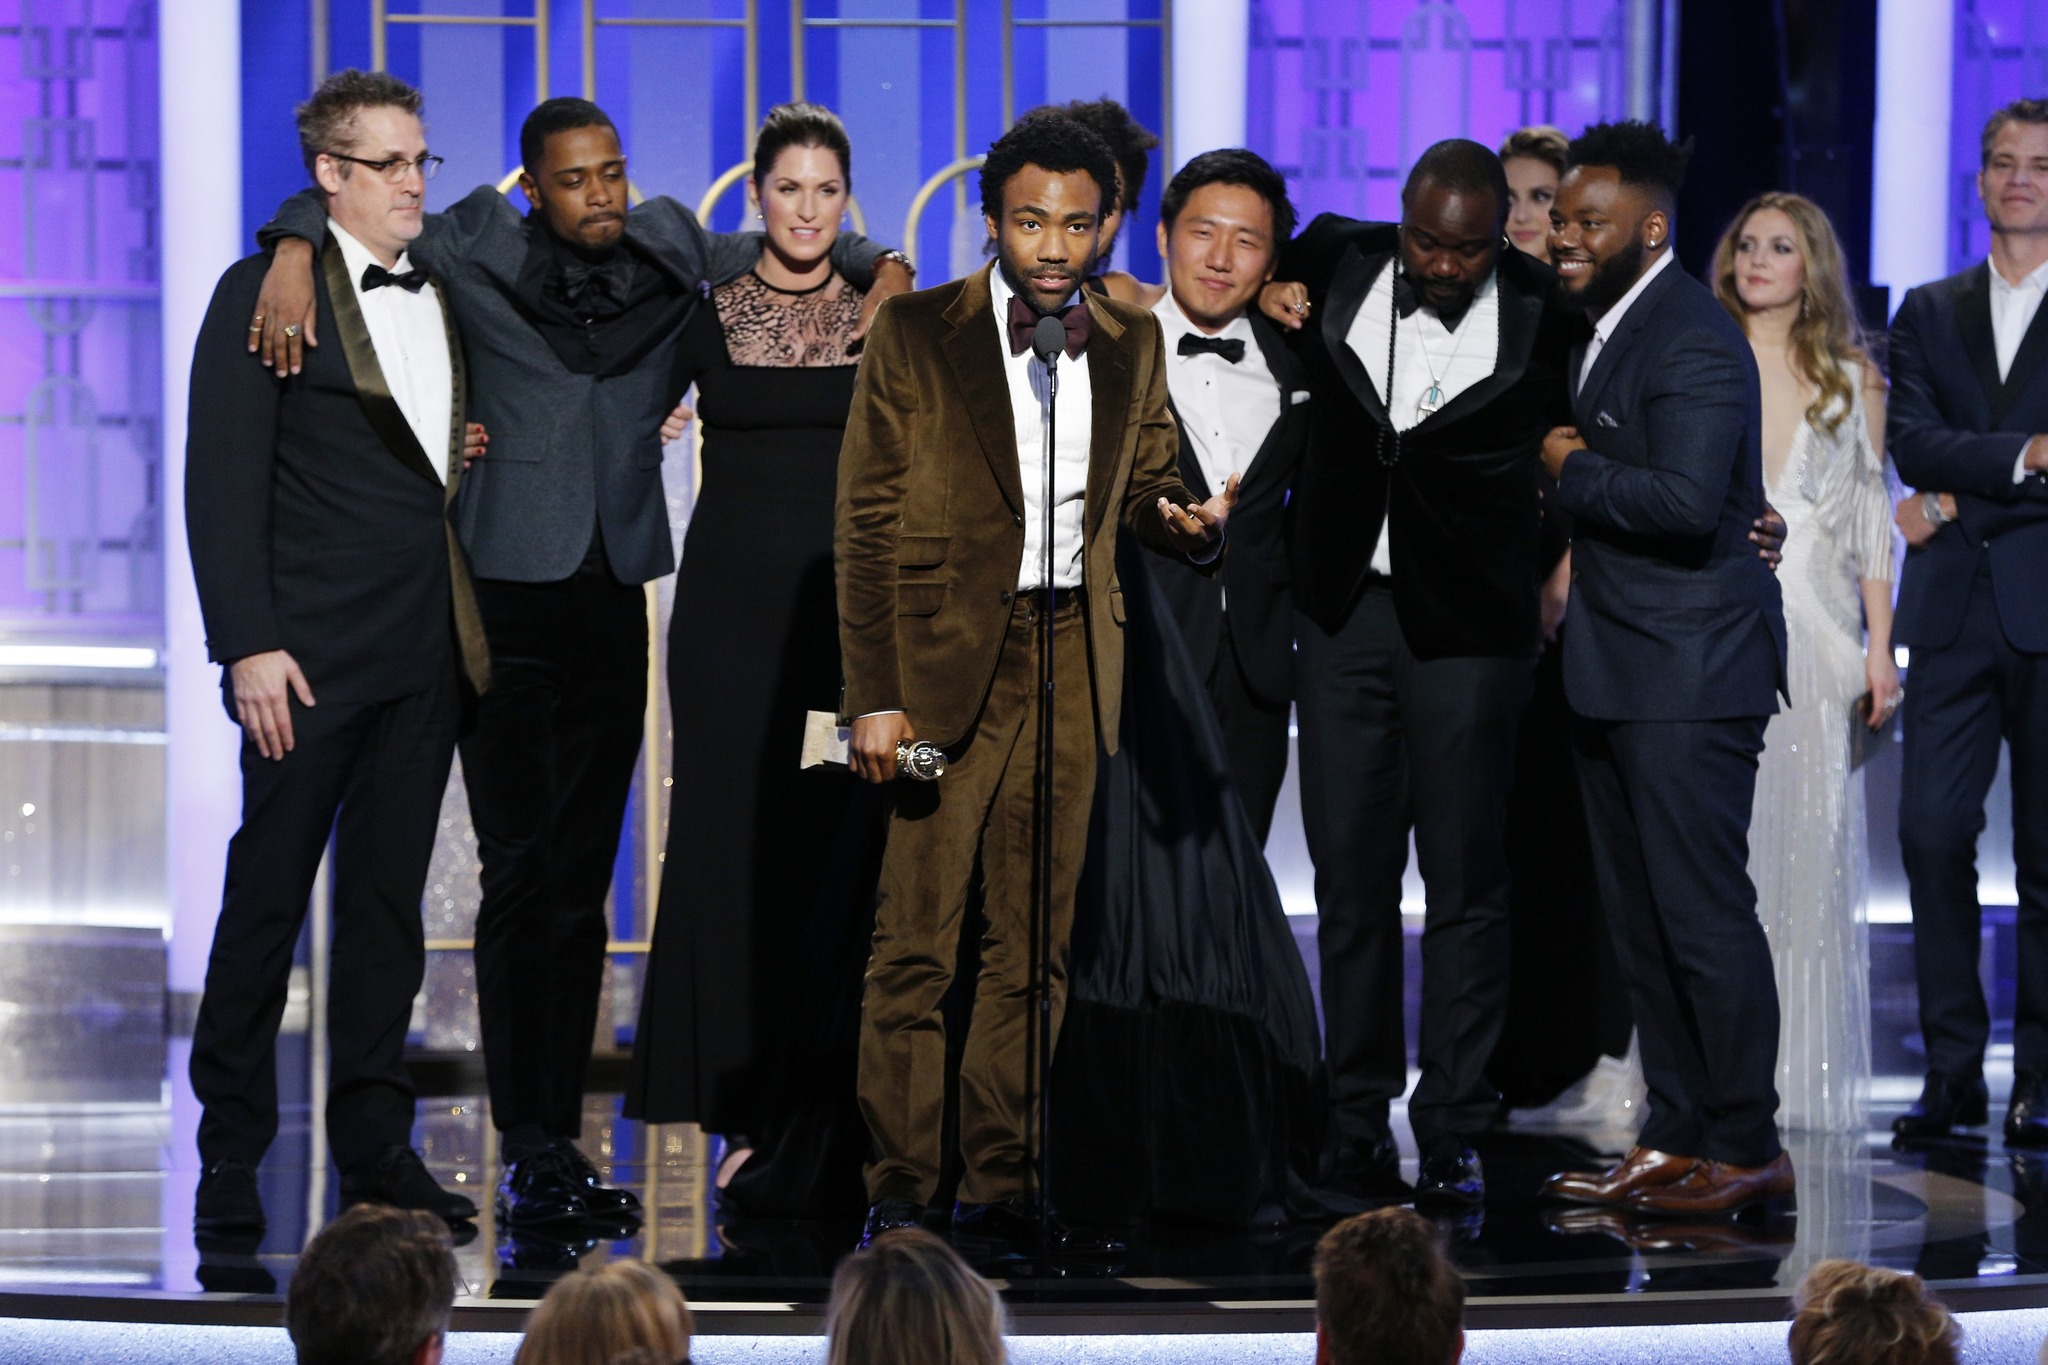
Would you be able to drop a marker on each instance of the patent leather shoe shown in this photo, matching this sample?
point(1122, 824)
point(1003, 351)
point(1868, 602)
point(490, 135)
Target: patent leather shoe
point(1370, 1172)
point(539, 1190)
point(1946, 1103)
point(2026, 1117)
point(401, 1179)
point(601, 1200)
point(1643, 1168)
point(1450, 1176)
point(1714, 1187)
point(886, 1215)
point(1014, 1223)
point(227, 1200)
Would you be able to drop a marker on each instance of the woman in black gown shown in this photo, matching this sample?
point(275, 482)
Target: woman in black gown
point(768, 869)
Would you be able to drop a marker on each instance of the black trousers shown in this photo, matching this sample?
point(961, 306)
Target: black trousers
point(1667, 806)
point(1389, 742)
point(372, 774)
point(549, 765)
point(1254, 735)
point(1965, 698)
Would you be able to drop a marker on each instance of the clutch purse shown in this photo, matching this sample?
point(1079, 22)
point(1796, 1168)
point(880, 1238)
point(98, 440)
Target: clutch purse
point(1864, 742)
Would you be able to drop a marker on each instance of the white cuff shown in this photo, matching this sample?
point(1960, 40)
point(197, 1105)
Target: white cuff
point(865, 714)
point(2019, 466)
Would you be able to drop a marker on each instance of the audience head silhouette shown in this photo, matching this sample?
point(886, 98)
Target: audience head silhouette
point(1386, 1294)
point(374, 1288)
point(908, 1299)
point(1858, 1313)
point(619, 1313)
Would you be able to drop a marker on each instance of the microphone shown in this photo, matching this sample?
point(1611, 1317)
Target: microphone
point(1048, 339)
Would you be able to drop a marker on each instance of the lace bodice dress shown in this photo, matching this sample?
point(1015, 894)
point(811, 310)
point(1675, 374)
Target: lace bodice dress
point(1808, 843)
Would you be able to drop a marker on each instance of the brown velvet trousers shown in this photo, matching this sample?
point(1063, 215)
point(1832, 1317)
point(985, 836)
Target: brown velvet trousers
point(981, 808)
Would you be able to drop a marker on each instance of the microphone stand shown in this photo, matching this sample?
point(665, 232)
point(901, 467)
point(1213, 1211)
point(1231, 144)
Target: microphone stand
point(1048, 340)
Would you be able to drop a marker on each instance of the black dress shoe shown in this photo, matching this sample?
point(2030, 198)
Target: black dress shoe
point(602, 1200)
point(541, 1189)
point(1450, 1177)
point(227, 1199)
point(1946, 1103)
point(1371, 1173)
point(399, 1178)
point(1014, 1223)
point(2026, 1117)
point(228, 1264)
point(886, 1215)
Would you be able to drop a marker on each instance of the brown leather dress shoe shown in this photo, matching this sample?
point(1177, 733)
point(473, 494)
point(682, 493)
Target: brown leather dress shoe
point(1714, 1187)
point(1642, 1169)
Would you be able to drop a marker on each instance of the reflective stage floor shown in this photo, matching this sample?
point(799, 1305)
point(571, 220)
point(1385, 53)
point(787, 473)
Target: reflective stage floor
point(95, 1208)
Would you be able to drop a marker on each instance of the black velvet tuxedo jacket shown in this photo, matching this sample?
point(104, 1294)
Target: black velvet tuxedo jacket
point(1254, 578)
point(1461, 503)
point(317, 523)
point(1954, 427)
point(1674, 615)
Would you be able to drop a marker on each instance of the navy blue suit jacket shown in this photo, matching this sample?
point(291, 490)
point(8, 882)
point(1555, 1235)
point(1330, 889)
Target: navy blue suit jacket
point(1673, 614)
point(1953, 427)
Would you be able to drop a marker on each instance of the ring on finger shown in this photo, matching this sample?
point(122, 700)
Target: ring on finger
point(256, 326)
point(291, 329)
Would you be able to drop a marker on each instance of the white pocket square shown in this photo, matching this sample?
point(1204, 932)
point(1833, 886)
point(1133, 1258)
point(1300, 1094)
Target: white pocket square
point(1603, 420)
point(1297, 396)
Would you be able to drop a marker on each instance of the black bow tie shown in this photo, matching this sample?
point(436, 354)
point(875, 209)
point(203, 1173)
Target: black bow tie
point(584, 286)
point(376, 277)
point(1230, 348)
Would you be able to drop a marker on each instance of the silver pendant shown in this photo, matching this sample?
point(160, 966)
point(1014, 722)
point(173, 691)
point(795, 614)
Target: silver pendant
point(1432, 399)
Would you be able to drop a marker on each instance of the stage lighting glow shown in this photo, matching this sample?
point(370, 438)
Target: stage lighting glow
point(77, 656)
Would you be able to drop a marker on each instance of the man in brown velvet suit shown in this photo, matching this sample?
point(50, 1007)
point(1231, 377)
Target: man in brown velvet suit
point(942, 587)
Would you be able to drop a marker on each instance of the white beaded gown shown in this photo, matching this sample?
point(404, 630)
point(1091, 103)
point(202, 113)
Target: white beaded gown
point(1808, 842)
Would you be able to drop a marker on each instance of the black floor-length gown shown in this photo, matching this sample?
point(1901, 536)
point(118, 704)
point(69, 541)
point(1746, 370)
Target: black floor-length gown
point(768, 877)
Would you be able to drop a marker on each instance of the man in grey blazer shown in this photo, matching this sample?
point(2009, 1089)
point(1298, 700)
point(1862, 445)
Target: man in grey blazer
point(570, 317)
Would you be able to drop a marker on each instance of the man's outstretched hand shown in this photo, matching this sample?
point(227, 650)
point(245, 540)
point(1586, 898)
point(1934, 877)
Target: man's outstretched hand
point(1198, 528)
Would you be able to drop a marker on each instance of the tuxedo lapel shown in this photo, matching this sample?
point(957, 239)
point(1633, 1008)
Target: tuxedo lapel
point(974, 352)
point(1186, 462)
point(1349, 284)
point(1574, 363)
point(371, 390)
point(469, 621)
point(1637, 318)
point(1972, 305)
point(1110, 383)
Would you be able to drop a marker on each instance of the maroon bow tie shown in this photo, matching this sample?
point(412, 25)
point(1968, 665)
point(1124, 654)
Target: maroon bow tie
point(1074, 317)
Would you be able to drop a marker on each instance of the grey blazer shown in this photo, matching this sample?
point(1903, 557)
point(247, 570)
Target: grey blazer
point(568, 451)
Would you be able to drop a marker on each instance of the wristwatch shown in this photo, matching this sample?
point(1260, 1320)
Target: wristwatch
point(1930, 507)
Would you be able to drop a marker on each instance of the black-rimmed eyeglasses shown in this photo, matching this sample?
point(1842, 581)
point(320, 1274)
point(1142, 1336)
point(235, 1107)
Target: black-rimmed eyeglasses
point(396, 168)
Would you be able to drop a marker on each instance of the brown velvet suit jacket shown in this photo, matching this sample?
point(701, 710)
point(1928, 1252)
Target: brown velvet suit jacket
point(931, 504)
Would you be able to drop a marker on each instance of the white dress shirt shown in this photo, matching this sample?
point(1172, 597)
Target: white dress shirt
point(2012, 312)
point(1611, 319)
point(1073, 434)
point(410, 336)
point(1426, 353)
point(1226, 409)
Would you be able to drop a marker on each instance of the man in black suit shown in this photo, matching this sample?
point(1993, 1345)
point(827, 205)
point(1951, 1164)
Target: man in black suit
point(1437, 362)
point(1969, 406)
point(338, 601)
point(571, 315)
point(1673, 663)
point(1237, 394)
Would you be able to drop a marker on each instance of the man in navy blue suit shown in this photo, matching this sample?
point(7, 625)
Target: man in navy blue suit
point(1674, 663)
point(1969, 404)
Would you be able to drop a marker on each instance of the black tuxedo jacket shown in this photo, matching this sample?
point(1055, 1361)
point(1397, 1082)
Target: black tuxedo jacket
point(1461, 505)
point(316, 521)
point(1954, 427)
point(1674, 615)
point(1254, 578)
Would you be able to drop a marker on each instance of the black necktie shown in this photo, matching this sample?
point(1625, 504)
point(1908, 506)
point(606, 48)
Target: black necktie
point(376, 277)
point(1230, 348)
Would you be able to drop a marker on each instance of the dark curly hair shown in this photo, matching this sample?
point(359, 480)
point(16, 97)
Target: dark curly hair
point(1639, 152)
point(1052, 142)
point(563, 114)
point(327, 121)
point(1128, 140)
point(1231, 166)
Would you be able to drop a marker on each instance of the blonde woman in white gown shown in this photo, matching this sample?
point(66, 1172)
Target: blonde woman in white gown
point(1779, 271)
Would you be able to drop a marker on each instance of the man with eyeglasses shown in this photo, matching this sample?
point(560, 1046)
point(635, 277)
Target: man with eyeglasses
point(339, 604)
point(570, 315)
